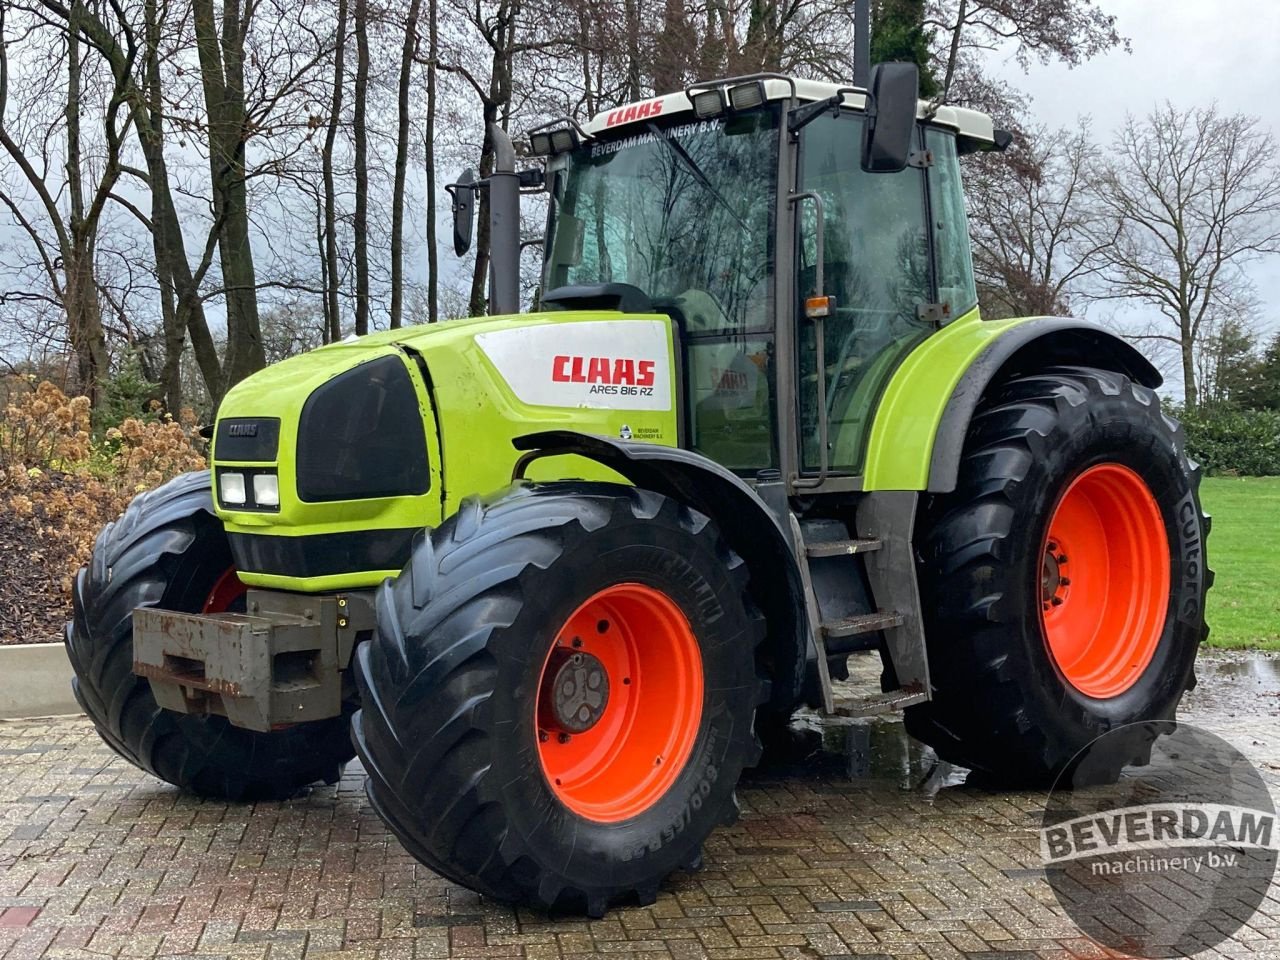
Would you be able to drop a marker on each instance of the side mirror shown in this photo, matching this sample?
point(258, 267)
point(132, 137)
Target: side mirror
point(891, 117)
point(464, 210)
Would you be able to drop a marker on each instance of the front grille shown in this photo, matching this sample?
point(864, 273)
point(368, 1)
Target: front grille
point(360, 436)
point(247, 439)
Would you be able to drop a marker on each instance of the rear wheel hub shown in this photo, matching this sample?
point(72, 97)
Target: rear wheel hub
point(1104, 580)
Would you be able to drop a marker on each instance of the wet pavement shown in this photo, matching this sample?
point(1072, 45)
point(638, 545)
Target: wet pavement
point(856, 842)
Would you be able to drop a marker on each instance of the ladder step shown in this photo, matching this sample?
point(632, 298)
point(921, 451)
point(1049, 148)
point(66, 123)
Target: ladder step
point(880, 703)
point(841, 548)
point(865, 623)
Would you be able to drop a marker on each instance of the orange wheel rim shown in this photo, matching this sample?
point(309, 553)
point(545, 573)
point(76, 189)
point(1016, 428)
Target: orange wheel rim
point(226, 591)
point(1104, 580)
point(619, 703)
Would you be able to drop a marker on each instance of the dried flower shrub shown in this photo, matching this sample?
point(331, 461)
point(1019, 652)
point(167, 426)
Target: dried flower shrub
point(60, 488)
point(44, 429)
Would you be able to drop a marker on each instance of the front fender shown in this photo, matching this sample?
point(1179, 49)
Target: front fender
point(749, 527)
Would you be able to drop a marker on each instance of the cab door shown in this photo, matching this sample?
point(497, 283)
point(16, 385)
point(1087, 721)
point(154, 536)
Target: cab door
point(878, 266)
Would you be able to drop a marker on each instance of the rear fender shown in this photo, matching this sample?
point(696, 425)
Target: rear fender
point(749, 527)
point(1031, 346)
point(919, 424)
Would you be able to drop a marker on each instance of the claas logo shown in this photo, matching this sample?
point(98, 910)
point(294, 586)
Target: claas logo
point(603, 370)
point(637, 111)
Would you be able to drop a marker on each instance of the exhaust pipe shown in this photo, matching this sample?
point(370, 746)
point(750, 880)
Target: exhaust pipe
point(862, 43)
point(504, 225)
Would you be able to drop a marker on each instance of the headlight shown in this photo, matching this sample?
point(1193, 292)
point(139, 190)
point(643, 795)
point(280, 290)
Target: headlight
point(248, 488)
point(266, 490)
point(231, 487)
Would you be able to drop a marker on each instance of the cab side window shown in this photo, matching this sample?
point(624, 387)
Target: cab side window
point(956, 287)
point(876, 265)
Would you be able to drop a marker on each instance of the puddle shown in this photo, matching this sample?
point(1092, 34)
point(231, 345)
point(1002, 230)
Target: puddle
point(1256, 669)
point(874, 750)
point(1233, 684)
point(877, 752)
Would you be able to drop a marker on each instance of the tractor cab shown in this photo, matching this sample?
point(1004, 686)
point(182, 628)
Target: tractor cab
point(803, 237)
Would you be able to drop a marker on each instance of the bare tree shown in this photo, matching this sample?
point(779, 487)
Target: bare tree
point(1068, 30)
point(402, 157)
point(433, 276)
point(68, 256)
point(1187, 197)
point(244, 164)
point(333, 322)
point(220, 43)
point(1035, 233)
point(499, 27)
point(360, 125)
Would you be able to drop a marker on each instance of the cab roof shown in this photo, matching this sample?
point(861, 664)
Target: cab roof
point(970, 125)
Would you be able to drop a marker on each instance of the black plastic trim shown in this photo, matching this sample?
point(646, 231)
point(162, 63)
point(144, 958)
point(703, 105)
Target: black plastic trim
point(323, 554)
point(247, 439)
point(384, 456)
point(598, 296)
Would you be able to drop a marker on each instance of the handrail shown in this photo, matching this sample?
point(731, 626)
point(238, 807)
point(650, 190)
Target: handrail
point(820, 347)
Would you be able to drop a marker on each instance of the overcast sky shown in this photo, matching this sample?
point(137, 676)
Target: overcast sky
point(1191, 52)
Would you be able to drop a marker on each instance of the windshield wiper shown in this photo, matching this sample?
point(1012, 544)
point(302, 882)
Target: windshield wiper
point(696, 170)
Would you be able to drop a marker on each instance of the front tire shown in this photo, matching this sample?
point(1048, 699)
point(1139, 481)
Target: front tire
point(170, 551)
point(558, 701)
point(1064, 580)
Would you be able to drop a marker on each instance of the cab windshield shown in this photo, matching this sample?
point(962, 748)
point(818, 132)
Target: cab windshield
point(681, 211)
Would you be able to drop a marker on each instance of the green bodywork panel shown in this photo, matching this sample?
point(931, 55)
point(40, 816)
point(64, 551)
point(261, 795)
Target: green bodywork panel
point(477, 414)
point(900, 445)
point(471, 412)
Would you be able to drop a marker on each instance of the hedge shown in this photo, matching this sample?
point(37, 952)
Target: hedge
point(1228, 440)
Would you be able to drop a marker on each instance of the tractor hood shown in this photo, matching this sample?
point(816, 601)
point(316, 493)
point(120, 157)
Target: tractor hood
point(327, 464)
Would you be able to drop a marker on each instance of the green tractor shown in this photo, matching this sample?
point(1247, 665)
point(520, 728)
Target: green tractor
point(552, 575)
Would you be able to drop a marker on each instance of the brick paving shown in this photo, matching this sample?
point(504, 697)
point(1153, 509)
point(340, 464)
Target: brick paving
point(857, 844)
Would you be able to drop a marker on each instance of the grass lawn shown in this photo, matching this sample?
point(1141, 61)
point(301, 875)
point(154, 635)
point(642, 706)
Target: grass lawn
point(1244, 552)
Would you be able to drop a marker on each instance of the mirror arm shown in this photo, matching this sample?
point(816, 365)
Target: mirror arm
point(920, 159)
point(453, 188)
point(801, 117)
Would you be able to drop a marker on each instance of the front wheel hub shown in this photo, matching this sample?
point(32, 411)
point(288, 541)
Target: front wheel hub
point(579, 690)
point(619, 702)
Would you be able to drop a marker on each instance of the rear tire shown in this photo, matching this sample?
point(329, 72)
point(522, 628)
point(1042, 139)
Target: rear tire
point(170, 551)
point(454, 695)
point(1007, 702)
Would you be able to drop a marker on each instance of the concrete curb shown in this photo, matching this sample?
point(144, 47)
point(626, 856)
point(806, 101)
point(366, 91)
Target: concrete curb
point(35, 681)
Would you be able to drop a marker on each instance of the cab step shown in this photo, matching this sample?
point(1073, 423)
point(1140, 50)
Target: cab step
point(880, 703)
point(859, 580)
point(863, 623)
point(842, 548)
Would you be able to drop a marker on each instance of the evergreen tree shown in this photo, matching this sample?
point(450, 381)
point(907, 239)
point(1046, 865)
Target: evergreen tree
point(1228, 364)
point(1262, 389)
point(898, 33)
